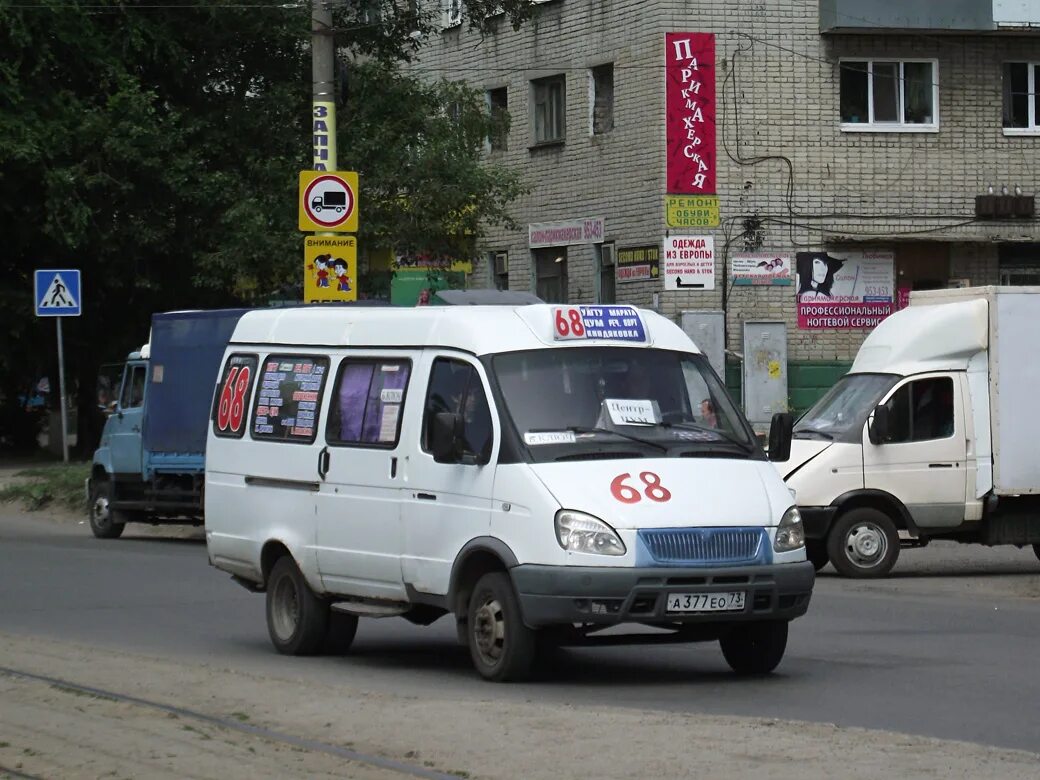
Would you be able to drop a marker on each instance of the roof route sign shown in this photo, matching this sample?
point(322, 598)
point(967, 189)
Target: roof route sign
point(56, 292)
point(328, 201)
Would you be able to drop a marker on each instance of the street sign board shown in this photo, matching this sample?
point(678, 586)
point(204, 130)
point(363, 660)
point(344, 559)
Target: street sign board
point(329, 269)
point(328, 201)
point(56, 292)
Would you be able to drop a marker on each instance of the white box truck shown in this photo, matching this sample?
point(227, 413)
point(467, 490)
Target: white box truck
point(934, 432)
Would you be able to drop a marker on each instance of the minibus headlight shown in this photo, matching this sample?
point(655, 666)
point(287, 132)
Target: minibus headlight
point(579, 532)
point(790, 534)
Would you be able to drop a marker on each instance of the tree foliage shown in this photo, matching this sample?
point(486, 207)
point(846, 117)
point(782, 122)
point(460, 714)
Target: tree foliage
point(156, 147)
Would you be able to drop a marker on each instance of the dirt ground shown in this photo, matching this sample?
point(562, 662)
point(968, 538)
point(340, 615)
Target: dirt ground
point(49, 731)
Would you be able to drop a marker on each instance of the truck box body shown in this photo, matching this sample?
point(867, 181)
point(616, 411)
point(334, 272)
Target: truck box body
point(1012, 338)
point(186, 349)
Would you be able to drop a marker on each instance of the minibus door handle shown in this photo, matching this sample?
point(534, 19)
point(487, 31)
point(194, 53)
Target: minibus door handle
point(393, 467)
point(323, 463)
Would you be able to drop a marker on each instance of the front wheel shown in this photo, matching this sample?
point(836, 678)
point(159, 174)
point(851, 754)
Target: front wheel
point(863, 543)
point(105, 522)
point(754, 648)
point(501, 646)
point(297, 620)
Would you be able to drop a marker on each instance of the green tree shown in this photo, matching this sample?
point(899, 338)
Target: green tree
point(156, 146)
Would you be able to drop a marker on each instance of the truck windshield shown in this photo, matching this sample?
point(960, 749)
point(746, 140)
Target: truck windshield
point(845, 406)
point(609, 402)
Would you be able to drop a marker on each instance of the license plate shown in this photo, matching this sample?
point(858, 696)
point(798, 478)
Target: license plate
point(732, 601)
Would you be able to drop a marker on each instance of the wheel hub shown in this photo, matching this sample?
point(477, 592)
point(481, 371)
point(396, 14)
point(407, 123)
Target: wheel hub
point(100, 510)
point(489, 630)
point(285, 609)
point(866, 544)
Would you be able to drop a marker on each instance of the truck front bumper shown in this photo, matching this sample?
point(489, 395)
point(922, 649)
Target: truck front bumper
point(561, 595)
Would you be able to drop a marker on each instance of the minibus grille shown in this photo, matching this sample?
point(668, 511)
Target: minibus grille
point(705, 546)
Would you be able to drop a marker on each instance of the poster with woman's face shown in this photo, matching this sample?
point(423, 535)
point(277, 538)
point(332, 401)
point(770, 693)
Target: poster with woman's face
point(844, 290)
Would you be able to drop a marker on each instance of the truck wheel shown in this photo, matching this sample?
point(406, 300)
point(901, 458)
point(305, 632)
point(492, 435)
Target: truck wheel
point(816, 552)
point(297, 620)
point(501, 646)
point(863, 544)
point(755, 648)
point(105, 522)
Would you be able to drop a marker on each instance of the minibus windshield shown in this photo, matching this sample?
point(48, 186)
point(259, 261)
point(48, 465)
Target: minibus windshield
point(587, 402)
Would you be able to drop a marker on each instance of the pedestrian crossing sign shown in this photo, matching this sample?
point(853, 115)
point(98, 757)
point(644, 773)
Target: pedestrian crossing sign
point(57, 292)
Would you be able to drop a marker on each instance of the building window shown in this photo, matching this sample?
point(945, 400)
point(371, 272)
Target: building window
point(601, 100)
point(606, 274)
point(499, 264)
point(1021, 99)
point(889, 95)
point(498, 102)
point(550, 266)
point(549, 98)
point(1019, 264)
point(451, 13)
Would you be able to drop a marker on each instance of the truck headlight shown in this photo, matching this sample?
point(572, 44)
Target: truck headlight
point(790, 534)
point(579, 532)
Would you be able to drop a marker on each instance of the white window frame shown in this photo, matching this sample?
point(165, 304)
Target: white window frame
point(870, 126)
point(451, 13)
point(1032, 66)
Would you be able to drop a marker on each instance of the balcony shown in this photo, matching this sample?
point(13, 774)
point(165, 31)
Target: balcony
point(952, 16)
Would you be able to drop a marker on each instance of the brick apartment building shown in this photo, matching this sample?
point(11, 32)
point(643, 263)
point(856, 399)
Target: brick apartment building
point(861, 131)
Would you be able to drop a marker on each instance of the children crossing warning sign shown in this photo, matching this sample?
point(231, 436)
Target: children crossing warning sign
point(56, 292)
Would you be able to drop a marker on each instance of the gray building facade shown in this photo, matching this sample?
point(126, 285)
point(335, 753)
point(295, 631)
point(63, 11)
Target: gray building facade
point(882, 134)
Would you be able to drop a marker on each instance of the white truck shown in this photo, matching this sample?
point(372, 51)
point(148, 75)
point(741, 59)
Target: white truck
point(933, 433)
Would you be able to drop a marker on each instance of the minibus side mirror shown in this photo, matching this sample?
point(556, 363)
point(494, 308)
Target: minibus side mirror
point(878, 428)
point(781, 432)
point(444, 437)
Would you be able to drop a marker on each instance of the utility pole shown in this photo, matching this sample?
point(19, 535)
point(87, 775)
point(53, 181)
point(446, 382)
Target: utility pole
point(323, 69)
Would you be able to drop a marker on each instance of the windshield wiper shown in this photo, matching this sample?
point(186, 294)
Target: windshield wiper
point(688, 426)
point(813, 431)
point(583, 429)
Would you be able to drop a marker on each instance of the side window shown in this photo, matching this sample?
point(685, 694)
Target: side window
point(455, 387)
point(289, 398)
point(367, 402)
point(133, 388)
point(921, 411)
point(231, 399)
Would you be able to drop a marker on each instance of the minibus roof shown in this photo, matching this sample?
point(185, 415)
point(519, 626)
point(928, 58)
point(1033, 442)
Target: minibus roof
point(479, 330)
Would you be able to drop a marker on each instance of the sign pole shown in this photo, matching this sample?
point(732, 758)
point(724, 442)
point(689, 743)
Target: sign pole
point(61, 394)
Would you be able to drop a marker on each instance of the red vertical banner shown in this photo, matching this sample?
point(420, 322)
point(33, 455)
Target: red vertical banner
point(690, 108)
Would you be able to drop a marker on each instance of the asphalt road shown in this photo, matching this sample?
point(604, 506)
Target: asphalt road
point(946, 648)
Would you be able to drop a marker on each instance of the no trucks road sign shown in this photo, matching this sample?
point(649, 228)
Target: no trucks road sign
point(328, 201)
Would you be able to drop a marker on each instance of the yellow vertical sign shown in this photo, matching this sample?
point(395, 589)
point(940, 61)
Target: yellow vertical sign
point(324, 140)
point(329, 269)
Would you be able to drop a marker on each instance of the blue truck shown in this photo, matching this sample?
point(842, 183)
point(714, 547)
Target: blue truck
point(150, 464)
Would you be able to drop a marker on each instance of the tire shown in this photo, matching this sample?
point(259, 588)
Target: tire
point(501, 646)
point(816, 552)
point(105, 522)
point(755, 648)
point(297, 620)
point(341, 632)
point(864, 544)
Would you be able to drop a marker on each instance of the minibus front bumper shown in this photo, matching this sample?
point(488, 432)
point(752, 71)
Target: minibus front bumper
point(561, 595)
